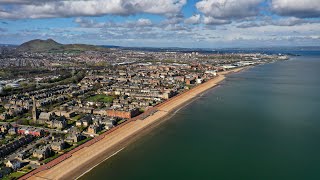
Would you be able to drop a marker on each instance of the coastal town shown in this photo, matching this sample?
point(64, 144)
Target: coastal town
point(52, 103)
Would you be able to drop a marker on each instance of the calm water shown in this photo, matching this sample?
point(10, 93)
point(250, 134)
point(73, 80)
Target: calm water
point(263, 123)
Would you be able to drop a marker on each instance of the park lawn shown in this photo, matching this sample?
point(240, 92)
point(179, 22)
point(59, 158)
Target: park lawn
point(101, 98)
point(77, 117)
point(14, 175)
point(51, 158)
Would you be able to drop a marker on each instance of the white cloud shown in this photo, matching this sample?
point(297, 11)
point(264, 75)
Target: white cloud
point(292, 21)
point(297, 8)
point(227, 9)
point(289, 21)
point(212, 21)
point(144, 22)
point(195, 19)
point(66, 8)
point(90, 23)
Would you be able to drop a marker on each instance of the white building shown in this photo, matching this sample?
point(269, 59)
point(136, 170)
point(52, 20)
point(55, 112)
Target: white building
point(199, 80)
point(213, 72)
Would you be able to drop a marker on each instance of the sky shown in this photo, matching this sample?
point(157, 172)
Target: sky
point(163, 23)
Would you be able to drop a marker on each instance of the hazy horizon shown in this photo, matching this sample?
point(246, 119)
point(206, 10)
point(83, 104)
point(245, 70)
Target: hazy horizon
point(173, 47)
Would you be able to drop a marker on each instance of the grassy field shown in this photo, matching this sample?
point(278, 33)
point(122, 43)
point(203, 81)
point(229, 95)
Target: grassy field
point(77, 117)
point(14, 175)
point(51, 158)
point(101, 98)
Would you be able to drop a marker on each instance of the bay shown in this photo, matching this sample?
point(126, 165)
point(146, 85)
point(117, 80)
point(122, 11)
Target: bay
point(263, 123)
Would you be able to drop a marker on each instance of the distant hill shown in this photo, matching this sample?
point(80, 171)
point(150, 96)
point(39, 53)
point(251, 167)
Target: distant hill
point(50, 45)
point(40, 45)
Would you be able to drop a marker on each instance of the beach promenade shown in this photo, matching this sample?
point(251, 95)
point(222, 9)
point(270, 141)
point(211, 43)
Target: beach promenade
point(81, 159)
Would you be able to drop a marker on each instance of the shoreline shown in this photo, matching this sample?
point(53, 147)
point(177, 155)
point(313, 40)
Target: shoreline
point(82, 161)
point(99, 163)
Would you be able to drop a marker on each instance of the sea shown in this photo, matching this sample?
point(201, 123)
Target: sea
point(259, 124)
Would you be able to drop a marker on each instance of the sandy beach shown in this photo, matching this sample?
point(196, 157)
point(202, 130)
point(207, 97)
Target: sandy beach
point(77, 162)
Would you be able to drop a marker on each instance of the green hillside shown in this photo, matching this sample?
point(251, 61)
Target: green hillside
point(50, 45)
point(38, 45)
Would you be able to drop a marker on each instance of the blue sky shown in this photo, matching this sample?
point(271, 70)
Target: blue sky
point(163, 23)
